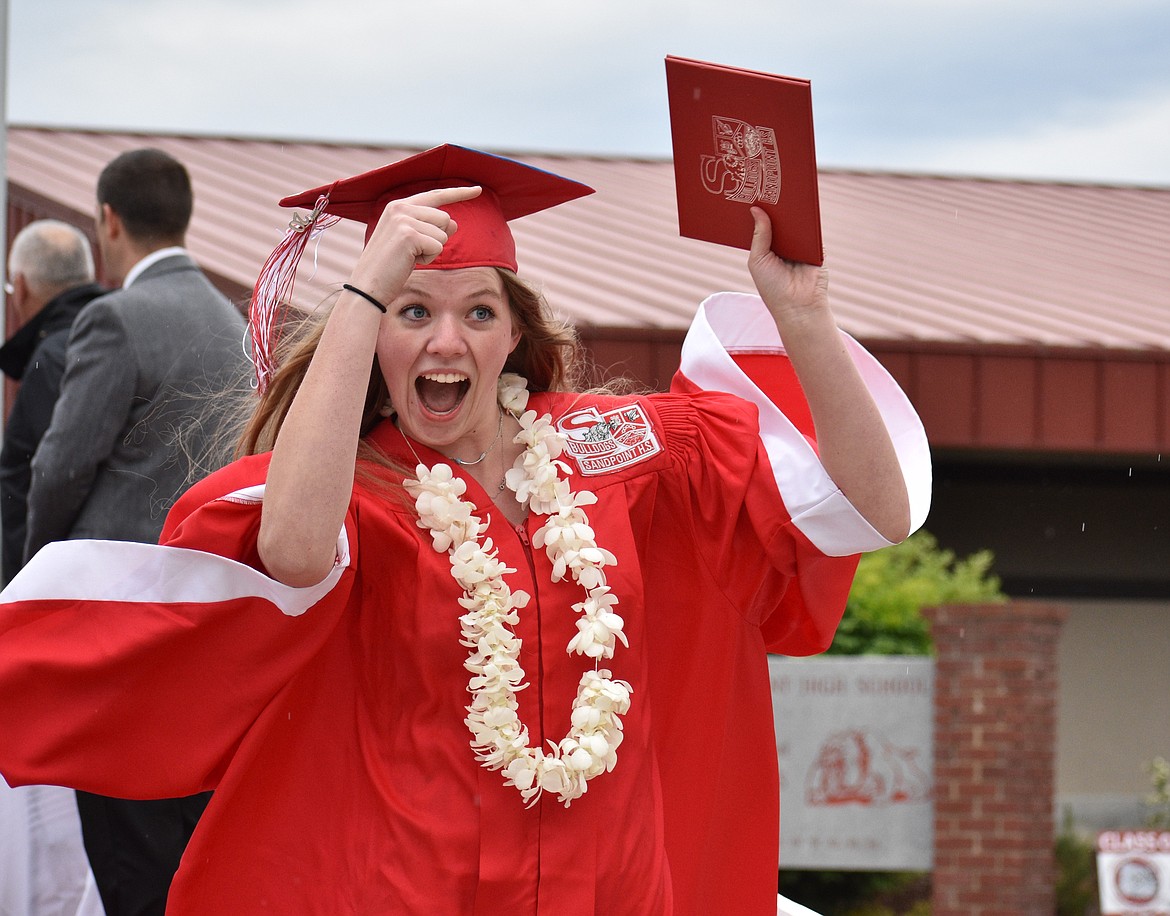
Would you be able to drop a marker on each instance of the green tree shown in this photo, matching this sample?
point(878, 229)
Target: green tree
point(884, 613)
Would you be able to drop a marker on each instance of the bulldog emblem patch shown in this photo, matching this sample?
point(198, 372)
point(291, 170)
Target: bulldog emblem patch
point(603, 442)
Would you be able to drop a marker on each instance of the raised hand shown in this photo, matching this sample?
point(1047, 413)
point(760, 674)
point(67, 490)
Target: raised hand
point(411, 231)
point(792, 291)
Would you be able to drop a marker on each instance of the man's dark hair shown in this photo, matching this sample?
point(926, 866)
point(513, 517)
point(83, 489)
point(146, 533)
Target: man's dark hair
point(151, 192)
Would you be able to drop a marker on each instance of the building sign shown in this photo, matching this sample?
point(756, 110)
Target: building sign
point(1133, 872)
point(853, 738)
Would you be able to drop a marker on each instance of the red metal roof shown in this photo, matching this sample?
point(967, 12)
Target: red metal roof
point(1018, 316)
point(911, 257)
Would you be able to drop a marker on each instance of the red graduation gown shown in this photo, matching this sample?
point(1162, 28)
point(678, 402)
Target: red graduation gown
point(329, 721)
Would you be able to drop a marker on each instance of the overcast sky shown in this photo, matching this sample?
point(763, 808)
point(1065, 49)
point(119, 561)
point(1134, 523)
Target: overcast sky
point(1047, 89)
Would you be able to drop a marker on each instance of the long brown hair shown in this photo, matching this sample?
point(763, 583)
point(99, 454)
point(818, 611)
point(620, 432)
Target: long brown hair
point(548, 355)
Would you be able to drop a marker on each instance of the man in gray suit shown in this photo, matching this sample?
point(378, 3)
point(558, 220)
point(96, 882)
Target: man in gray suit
point(142, 368)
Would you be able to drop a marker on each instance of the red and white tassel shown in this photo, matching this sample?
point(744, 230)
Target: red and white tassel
point(272, 293)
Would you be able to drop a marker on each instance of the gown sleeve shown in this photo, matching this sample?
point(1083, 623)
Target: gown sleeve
point(815, 534)
point(134, 670)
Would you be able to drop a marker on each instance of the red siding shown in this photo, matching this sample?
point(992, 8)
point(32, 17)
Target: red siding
point(1009, 402)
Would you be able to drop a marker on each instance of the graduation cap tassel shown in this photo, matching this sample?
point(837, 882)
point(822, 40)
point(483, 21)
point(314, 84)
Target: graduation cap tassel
point(274, 286)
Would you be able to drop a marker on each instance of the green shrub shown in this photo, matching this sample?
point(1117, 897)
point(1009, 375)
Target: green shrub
point(859, 893)
point(1158, 801)
point(884, 612)
point(1076, 870)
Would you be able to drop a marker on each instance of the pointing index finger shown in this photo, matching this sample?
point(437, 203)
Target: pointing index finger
point(438, 197)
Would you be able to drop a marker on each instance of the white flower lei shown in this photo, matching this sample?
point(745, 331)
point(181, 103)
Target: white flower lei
point(499, 738)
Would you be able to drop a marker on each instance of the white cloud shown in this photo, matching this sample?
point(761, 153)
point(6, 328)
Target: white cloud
point(1025, 86)
point(1131, 146)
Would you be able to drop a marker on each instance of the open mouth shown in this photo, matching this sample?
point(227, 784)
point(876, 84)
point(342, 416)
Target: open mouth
point(441, 392)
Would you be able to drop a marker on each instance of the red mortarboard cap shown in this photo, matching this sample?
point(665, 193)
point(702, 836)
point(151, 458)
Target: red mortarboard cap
point(511, 189)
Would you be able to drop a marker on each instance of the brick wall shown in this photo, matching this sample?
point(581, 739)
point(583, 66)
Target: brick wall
point(994, 758)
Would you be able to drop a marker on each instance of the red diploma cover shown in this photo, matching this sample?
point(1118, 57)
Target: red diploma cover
point(743, 138)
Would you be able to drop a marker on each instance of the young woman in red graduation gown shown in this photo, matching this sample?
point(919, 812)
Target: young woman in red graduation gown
point(458, 640)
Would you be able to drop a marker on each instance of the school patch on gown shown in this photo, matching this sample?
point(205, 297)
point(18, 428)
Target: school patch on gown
point(601, 442)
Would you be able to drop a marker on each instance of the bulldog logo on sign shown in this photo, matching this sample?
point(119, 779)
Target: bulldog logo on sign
point(604, 442)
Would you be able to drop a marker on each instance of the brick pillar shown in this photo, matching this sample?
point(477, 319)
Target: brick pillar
point(994, 758)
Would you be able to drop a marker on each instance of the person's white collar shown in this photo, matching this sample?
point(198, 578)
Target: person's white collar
point(154, 257)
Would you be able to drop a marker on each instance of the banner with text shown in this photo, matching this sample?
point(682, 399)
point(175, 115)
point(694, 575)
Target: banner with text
point(853, 738)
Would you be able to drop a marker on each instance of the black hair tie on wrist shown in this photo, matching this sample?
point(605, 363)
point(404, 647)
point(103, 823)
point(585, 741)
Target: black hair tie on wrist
point(370, 299)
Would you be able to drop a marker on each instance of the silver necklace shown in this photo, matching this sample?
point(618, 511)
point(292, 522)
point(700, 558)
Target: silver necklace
point(484, 453)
